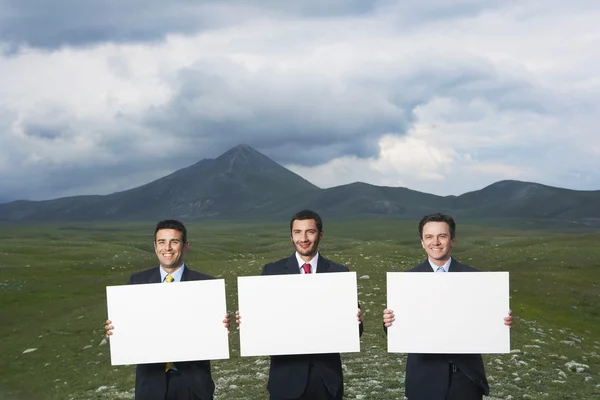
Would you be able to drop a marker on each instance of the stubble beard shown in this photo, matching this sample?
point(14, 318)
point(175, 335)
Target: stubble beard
point(309, 252)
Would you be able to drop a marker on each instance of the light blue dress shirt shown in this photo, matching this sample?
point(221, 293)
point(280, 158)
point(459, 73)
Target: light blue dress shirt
point(445, 266)
point(176, 275)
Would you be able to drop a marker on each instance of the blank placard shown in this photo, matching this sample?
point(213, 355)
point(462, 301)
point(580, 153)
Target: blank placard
point(298, 314)
point(160, 322)
point(452, 312)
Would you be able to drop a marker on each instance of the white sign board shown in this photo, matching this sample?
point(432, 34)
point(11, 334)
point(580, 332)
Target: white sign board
point(452, 312)
point(298, 314)
point(162, 322)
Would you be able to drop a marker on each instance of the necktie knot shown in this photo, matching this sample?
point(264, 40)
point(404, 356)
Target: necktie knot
point(440, 269)
point(306, 268)
point(169, 278)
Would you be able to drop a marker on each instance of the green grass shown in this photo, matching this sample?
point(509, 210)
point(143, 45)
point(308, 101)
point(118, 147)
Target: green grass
point(53, 279)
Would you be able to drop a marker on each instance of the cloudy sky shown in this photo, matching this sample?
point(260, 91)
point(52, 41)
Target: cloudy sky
point(439, 96)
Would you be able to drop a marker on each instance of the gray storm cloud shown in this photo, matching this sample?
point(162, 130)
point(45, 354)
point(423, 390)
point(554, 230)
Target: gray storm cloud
point(134, 90)
point(57, 23)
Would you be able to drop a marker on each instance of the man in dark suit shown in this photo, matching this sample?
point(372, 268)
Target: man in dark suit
point(442, 376)
point(171, 381)
point(309, 376)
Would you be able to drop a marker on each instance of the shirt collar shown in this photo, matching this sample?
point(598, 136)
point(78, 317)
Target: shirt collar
point(313, 263)
point(446, 265)
point(176, 275)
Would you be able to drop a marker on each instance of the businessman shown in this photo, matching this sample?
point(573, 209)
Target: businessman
point(171, 381)
point(310, 376)
point(442, 376)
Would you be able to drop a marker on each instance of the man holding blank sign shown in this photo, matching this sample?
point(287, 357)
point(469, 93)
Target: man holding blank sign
point(442, 376)
point(189, 380)
point(305, 376)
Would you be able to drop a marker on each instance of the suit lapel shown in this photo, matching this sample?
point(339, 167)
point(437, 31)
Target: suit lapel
point(424, 267)
point(155, 277)
point(322, 264)
point(455, 266)
point(185, 275)
point(291, 266)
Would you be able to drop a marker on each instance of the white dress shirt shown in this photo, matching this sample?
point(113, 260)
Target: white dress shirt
point(313, 263)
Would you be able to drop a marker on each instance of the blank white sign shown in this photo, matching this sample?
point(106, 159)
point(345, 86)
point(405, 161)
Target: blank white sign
point(452, 312)
point(298, 314)
point(161, 322)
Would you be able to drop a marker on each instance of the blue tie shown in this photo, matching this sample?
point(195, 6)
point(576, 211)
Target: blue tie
point(440, 269)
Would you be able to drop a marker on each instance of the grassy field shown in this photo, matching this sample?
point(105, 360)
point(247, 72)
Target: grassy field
point(52, 291)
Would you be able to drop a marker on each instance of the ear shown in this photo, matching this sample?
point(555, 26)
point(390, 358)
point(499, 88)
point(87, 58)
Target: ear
point(186, 246)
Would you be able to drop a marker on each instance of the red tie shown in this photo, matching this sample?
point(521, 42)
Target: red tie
point(306, 268)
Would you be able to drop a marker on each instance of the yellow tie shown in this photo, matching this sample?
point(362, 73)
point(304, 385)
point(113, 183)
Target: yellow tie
point(168, 279)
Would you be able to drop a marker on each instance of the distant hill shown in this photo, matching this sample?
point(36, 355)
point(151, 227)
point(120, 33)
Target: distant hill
point(364, 199)
point(245, 183)
point(528, 200)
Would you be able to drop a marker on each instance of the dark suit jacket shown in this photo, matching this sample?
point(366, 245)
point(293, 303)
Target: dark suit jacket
point(288, 375)
point(150, 379)
point(427, 376)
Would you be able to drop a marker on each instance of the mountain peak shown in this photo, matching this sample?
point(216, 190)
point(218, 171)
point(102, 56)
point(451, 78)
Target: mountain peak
point(241, 149)
point(242, 157)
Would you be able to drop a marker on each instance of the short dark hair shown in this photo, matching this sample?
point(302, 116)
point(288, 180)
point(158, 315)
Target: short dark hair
point(307, 214)
point(438, 217)
point(172, 224)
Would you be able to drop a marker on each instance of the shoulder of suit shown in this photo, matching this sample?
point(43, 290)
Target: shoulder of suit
point(462, 267)
point(333, 265)
point(275, 265)
point(193, 275)
point(142, 276)
point(423, 267)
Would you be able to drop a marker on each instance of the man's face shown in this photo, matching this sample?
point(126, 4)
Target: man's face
point(437, 242)
point(169, 248)
point(306, 238)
